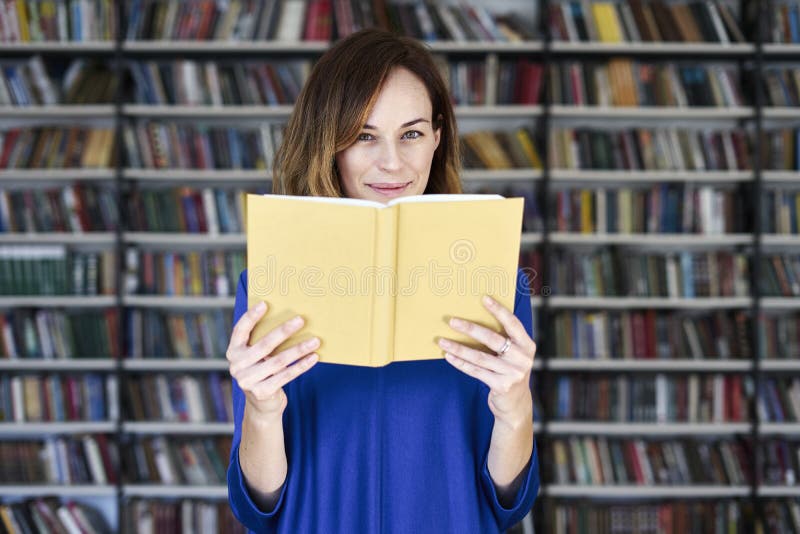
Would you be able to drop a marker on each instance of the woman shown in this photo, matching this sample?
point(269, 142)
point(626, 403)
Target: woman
point(427, 446)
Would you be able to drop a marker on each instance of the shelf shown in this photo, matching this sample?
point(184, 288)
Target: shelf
point(194, 112)
point(71, 238)
point(661, 240)
point(56, 174)
point(312, 47)
point(178, 238)
point(159, 301)
point(641, 491)
point(780, 240)
point(780, 303)
point(163, 364)
point(658, 49)
point(59, 301)
point(780, 365)
point(162, 490)
point(58, 46)
point(34, 364)
point(792, 429)
point(531, 238)
point(646, 365)
point(478, 175)
point(176, 427)
point(781, 49)
point(621, 303)
point(163, 175)
point(60, 111)
point(500, 111)
point(778, 491)
point(624, 176)
point(654, 112)
point(57, 427)
point(47, 489)
point(780, 176)
point(781, 113)
point(650, 429)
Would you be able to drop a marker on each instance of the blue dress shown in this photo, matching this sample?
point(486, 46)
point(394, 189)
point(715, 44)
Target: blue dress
point(394, 449)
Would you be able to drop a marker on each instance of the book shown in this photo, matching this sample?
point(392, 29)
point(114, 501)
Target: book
point(329, 259)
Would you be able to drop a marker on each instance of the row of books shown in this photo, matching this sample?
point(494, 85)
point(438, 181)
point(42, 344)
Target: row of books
point(210, 83)
point(185, 335)
point(493, 82)
point(660, 398)
point(28, 83)
point(782, 515)
point(178, 461)
point(609, 461)
point(671, 517)
point(780, 149)
point(58, 397)
point(780, 400)
point(781, 462)
point(780, 275)
point(651, 149)
point(780, 336)
point(159, 145)
point(636, 21)
point(779, 211)
point(612, 272)
point(629, 83)
point(189, 209)
point(184, 516)
point(58, 334)
point(56, 270)
point(179, 398)
point(319, 20)
point(79, 207)
point(783, 26)
point(207, 272)
point(661, 208)
point(531, 214)
point(781, 86)
point(49, 20)
point(652, 334)
point(86, 459)
point(45, 514)
point(500, 150)
point(56, 147)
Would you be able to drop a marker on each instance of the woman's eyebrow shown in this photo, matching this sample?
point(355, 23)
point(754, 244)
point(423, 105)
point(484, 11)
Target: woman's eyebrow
point(404, 125)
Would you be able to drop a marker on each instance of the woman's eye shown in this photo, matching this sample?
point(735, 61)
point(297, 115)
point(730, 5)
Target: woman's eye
point(413, 134)
point(365, 137)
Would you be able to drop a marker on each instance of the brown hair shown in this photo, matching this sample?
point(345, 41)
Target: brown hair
point(336, 101)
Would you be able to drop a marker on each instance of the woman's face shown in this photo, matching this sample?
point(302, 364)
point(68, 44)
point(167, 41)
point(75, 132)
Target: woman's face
point(392, 155)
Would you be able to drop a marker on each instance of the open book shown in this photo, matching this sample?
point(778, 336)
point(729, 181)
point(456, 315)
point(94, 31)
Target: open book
point(377, 282)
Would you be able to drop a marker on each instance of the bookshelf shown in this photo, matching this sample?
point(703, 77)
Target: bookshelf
point(549, 114)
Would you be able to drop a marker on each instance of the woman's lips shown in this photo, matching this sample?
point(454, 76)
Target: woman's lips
point(389, 190)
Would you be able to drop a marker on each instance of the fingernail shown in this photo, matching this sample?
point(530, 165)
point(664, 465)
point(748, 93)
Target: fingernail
point(313, 358)
point(456, 322)
point(488, 300)
point(313, 342)
point(297, 320)
point(261, 306)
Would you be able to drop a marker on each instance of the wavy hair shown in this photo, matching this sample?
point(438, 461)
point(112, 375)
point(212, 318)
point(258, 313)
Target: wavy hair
point(336, 101)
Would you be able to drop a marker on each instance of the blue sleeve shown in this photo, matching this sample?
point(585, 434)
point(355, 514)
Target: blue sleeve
point(239, 498)
point(526, 495)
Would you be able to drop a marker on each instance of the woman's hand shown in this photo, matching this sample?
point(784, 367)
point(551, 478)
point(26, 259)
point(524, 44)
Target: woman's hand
point(506, 375)
point(261, 373)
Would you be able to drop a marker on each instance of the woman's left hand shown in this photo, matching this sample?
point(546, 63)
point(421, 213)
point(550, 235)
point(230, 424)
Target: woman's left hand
point(506, 375)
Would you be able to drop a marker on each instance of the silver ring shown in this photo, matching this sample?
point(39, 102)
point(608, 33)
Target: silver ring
point(505, 347)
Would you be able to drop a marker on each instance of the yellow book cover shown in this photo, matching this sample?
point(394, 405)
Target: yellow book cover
point(608, 26)
point(377, 282)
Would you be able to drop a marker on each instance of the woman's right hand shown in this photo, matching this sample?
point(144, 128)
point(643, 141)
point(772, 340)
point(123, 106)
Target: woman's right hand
point(260, 372)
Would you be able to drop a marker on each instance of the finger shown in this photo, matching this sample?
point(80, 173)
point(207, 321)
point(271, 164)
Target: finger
point(491, 339)
point(492, 380)
point(267, 344)
point(244, 326)
point(254, 374)
point(280, 379)
point(478, 358)
point(513, 326)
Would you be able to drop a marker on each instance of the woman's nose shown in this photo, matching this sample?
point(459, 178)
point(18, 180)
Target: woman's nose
point(389, 158)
